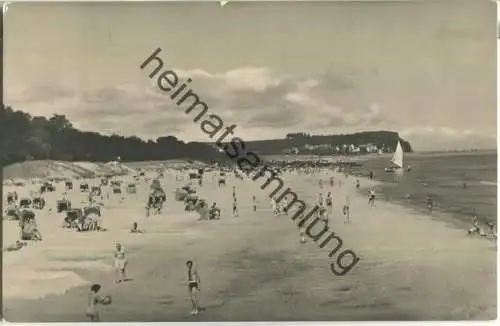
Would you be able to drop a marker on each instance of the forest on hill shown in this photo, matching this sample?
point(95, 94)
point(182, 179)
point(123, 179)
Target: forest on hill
point(345, 144)
point(24, 138)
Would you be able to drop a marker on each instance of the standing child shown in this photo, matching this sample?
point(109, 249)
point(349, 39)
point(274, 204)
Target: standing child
point(347, 210)
point(371, 197)
point(93, 300)
point(120, 263)
point(254, 202)
point(274, 207)
point(235, 207)
point(194, 284)
point(430, 204)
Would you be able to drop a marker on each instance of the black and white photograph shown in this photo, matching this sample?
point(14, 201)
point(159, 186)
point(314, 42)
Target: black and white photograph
point(208, 161)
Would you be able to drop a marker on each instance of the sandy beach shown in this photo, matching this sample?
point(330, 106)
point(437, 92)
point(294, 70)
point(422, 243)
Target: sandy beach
point(253, 267)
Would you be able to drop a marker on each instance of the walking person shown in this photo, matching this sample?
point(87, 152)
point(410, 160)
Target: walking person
point(194, 284)
point(121, 262)
point(347, 210)
point(235, 207)
point(430, 204)
point(371, 197)
point(254, 202)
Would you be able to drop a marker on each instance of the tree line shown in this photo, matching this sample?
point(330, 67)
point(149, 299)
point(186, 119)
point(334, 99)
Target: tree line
point(24, 137)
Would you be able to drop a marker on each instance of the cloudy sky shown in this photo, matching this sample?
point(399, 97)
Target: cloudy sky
point(426, 69)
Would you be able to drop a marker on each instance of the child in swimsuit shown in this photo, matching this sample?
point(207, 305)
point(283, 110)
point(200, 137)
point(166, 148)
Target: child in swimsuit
point(235, 207)
point(120, 263)
point(194, 283)
point(347, 211)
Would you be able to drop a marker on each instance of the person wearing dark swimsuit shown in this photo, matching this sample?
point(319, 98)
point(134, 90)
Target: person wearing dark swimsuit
point(194, 282)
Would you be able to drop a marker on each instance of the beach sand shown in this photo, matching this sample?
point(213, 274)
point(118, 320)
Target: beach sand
point(253, 267)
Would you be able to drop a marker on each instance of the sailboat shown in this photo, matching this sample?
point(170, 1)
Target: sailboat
point(397, 160)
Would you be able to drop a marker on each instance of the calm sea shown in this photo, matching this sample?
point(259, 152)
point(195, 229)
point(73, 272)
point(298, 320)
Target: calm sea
point(443, 176)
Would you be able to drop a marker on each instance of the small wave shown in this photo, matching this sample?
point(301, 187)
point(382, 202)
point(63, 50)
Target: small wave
point(488, 183)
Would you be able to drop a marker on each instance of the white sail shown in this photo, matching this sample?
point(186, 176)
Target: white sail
point(397, 158)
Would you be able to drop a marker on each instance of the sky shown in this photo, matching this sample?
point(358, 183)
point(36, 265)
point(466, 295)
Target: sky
point(425, 69)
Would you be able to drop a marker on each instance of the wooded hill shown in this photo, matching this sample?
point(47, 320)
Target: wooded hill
point(23, 137)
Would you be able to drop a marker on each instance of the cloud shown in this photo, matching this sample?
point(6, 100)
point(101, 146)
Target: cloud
point(262, 102)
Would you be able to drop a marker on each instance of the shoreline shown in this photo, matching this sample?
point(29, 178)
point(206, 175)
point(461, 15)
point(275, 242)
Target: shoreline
point(257, 253)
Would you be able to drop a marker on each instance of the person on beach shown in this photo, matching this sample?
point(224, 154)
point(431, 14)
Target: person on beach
point(323, 214)
point(332, 181)
point(120, 263)
point(254, 203)
point(234, 192)
point(194, 284)
point(491, 229)
point(18, 245)
point(93, 300)
point(358, 185)
point(371, 197)
point(284, 206)
point(347, 210)
point(320, 199)
point(302, 234)
point(135, 228)
point(274, 206)
point(10, 199)
point(329, 200)
point(320, 184)
point(235, 207)
point(430, 204)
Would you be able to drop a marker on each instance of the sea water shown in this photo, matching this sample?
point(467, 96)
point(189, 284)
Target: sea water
point(443, 175)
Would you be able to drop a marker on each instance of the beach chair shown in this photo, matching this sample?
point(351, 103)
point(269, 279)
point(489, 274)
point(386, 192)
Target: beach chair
point(38, 203)
point(63, 205)
point(49, 187)
point(26, 216)
point(10, 199)
point(214, 214)
point(84, 187)
point(117, 190)
point(91, 210)
point(72, 217)
point(131, 188)
point(12, 213)
point(96, 191)
point(30, 231)
point(69, 185)
point(25, 203)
